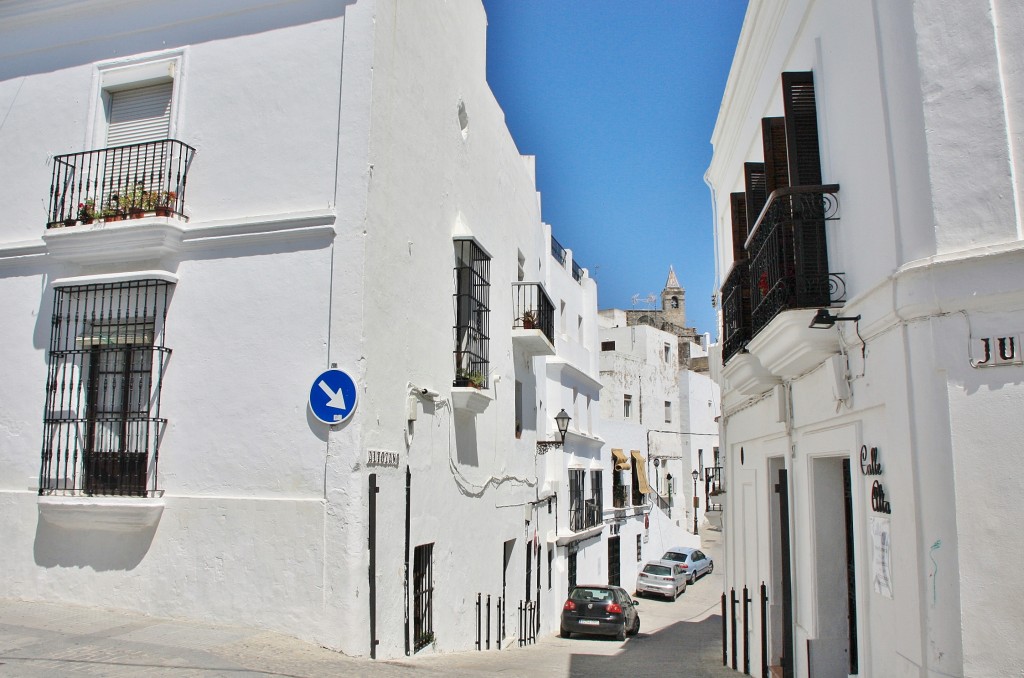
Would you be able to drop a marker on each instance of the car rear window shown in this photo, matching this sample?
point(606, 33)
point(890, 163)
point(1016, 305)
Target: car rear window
point(672, 555)
point(660, 570)
point(591, 595)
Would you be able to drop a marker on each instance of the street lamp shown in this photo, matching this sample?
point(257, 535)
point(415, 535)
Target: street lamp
point(562, 421)
point(696, 500)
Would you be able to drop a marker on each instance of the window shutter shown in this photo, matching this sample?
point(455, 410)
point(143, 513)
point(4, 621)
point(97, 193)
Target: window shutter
point(756, 194)
point(776, 167)
point(738, 207)
point(140, 115)
point(801, 129)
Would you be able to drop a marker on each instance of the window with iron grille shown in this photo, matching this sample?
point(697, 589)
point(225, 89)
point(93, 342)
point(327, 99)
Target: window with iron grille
point(577, 517)
point(472, 314)
point(572, 571)
point(423, 595)
point(102, 424)
point(595, 514)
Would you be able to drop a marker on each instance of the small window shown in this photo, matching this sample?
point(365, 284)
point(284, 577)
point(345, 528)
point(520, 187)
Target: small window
point(639, 549)
point(627, 406)
point(423, 595)
point(472, 314)
point(668, 352)
point(668, 412)
point(607, 345)
point(675, 302)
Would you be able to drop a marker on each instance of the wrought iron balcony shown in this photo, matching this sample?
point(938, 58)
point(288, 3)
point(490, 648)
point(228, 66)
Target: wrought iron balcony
point(558, 252)
point(120, 182)
point(788, 254)
point(737, 327)
point(533, 310)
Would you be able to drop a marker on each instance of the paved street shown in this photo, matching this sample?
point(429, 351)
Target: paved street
point(681, 638)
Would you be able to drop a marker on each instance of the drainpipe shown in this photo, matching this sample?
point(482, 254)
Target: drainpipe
point(408, 496)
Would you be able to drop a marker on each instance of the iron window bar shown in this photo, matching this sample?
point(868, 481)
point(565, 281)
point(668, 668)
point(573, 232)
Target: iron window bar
point(423, 596)
point(119, 182)
point(472, 315)
point(102, 425)
point(577, 505)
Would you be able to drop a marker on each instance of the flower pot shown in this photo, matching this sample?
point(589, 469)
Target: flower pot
point(136, 213)
point(163, 211)
point(114, 217)
point(527, 324)
point(86, 220)
point(69, 222)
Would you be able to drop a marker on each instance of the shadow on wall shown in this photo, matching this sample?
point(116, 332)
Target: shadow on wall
point(101, 550)
point(466, 440)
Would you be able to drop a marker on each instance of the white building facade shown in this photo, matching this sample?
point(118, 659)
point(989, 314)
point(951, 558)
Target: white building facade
point(867, 191)
point(318, 186)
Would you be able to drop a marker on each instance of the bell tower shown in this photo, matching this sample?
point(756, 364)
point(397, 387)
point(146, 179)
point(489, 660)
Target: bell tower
point(673, 301)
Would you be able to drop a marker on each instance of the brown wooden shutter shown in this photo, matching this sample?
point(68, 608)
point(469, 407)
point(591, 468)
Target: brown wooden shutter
point(801, 129)
point(738, 206)
point(756, 195)
point(776, 167)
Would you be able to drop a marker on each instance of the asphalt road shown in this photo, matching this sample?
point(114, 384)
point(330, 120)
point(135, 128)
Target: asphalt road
point(680, 638)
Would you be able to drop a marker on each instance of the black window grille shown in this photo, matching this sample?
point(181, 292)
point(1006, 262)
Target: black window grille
point(423, 595)
point(577, 511)
point(102, 424)
point(472, 314)
point(532, 309)
point(596, 507)
point(572, 571)
point(638, 496)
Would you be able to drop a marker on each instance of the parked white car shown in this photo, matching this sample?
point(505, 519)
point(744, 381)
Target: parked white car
point(695, 563)
point(661, 577)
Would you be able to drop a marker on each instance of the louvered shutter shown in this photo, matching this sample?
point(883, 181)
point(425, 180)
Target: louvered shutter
point(801, 129)
point(140, 115)
point(776, 166)
point(738, 206)
point(756, 195)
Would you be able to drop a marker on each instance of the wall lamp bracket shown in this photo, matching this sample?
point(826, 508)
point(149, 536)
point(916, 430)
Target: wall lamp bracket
point(824, 320)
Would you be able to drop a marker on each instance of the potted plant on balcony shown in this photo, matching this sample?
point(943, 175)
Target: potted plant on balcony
point(162, 202)
point(529, 319)
point(111, 211)
point(134, 201)
point(465, 377)
point(87, 211)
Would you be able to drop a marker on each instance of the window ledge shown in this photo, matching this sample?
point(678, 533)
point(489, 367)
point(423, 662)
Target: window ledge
point(113, 514)
point(563, 539)
point(471, 399)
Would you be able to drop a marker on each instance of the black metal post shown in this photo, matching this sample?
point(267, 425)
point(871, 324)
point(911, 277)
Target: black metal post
point(500, 620)
point(373, 489)
point(479, 611)
point(408, 525)
point(725, 633)
point(746, 630)
point(488, 621)
point(764, 630)
point(732, 606)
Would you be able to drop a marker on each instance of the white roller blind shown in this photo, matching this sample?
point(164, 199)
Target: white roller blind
point(139, 115)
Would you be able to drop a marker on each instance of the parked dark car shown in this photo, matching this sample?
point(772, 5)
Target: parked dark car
point(694, 561)
point(600, 610)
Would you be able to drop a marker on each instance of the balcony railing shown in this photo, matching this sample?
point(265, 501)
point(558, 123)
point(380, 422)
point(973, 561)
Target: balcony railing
point(577, 271)
point(736, 321)
point(532, 309)
point(120, 182)
point(584, 515)
point(557, 251)
point(789, 255)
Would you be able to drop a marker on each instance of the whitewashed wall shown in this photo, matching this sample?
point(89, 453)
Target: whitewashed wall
point(918, 114)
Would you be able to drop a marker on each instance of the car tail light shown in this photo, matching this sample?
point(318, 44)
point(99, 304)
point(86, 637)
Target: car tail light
point(684, 566)
point(569, 605)
point(614, 608)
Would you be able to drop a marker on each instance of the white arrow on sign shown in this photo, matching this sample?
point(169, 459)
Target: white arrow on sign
point(337, 400)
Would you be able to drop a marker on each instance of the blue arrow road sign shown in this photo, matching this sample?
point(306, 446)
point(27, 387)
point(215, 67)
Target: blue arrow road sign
point(332, 398)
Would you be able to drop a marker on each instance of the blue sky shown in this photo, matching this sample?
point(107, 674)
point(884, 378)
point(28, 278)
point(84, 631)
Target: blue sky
point(618, 101)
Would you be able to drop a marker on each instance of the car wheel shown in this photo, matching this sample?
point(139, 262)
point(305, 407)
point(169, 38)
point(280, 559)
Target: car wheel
point(693, 579)
point(563, 633)
point(711, 567)
point(636, 627)
point(621, 635)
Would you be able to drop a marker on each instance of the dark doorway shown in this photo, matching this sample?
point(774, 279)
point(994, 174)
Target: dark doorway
point(613, 561)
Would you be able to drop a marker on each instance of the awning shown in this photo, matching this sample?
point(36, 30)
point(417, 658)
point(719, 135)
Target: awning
point(641, 471)
point(620, 459)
